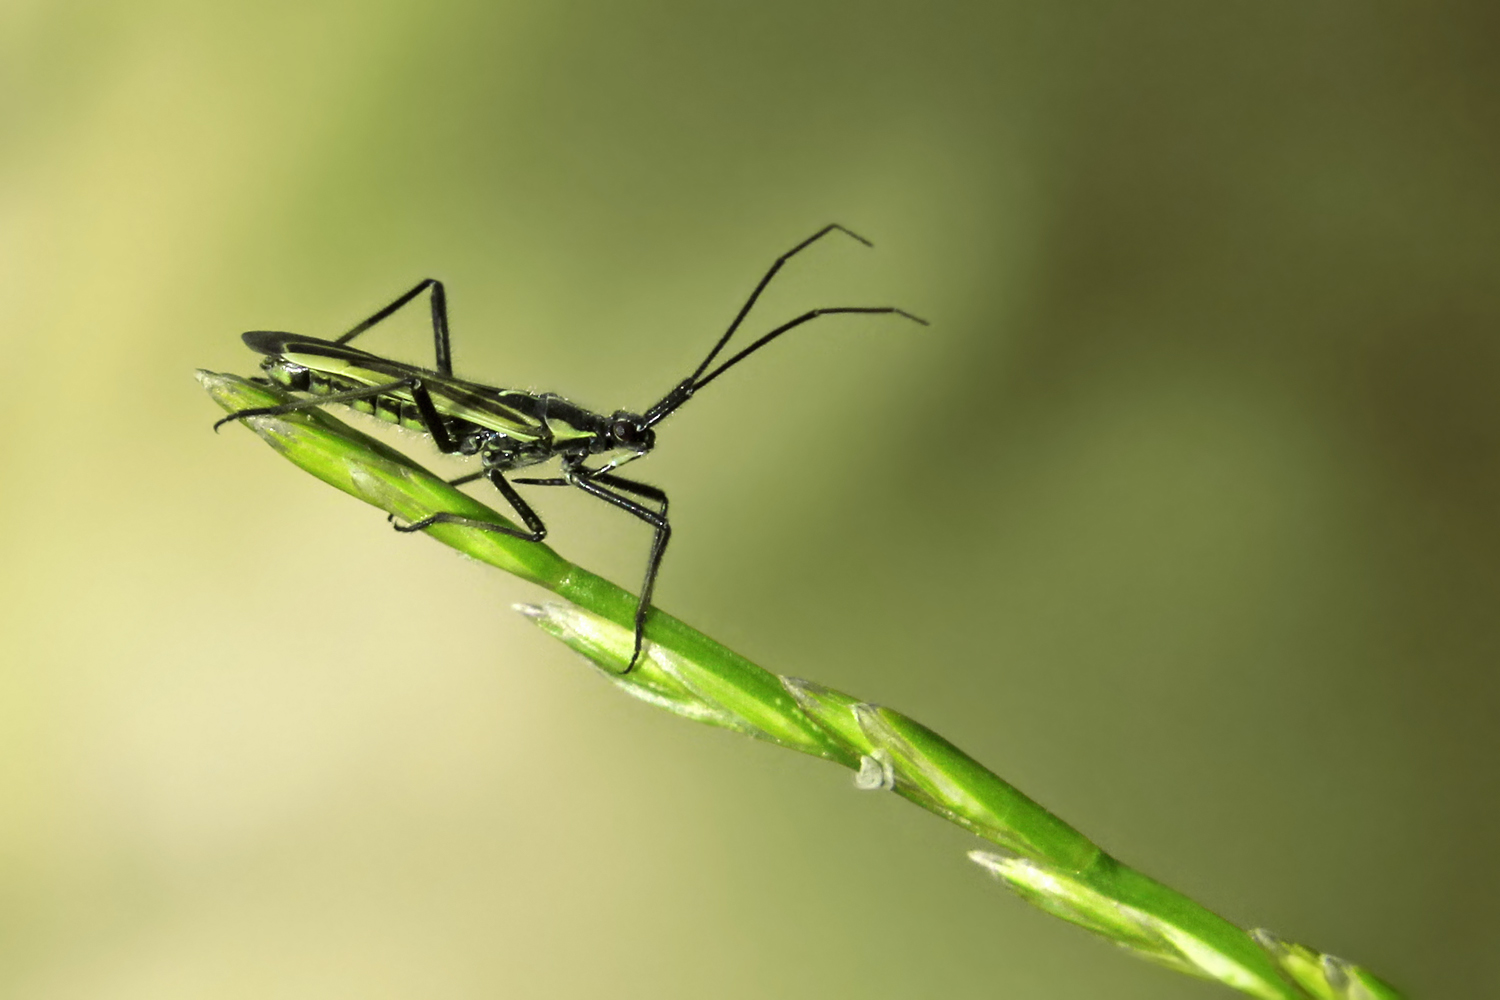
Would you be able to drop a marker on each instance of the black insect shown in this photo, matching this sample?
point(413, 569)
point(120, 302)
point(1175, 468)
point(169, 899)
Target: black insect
point(510, 429)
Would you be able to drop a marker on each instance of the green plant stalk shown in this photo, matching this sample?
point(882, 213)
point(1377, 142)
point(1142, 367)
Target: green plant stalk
point(1046, 861)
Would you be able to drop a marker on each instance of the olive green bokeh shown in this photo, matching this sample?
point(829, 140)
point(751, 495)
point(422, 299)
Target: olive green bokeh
point(1182, 516)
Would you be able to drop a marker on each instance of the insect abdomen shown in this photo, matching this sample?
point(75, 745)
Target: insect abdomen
point(294, 377)
point(388, 408)
point(302, 379)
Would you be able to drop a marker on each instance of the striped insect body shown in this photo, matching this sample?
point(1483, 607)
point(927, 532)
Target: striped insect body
point(510, 429)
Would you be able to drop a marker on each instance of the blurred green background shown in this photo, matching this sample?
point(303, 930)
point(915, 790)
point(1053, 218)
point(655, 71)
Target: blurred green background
point(1184, 515)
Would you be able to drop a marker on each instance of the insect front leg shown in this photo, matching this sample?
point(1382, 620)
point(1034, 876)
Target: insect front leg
point(597, 484)
point(440, 345)
point(644, 490)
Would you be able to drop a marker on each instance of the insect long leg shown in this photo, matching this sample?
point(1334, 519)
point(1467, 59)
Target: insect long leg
point(533, 521)
point(440, 345)
point(591, 484)
point(316, 401)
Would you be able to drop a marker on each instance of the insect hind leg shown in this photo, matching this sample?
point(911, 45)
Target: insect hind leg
point(441, 347)
point(351, 396)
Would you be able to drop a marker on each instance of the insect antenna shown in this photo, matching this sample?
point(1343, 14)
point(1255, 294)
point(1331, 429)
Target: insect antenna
point(761, 287)
point(684, 390)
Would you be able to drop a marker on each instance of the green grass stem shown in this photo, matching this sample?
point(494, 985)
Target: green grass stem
point(1043, 859)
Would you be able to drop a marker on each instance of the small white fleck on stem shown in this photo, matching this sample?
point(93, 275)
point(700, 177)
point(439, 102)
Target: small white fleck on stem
point(877, 772)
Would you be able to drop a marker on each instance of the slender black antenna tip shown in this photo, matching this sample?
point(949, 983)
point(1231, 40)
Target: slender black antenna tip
point(912, 317)
point(846, 231)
